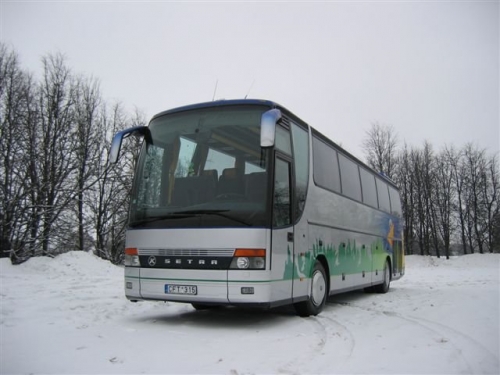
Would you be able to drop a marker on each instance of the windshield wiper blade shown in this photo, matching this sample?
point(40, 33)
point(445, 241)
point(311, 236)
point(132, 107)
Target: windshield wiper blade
point(206, 211)
point(173, 215)
point(215, 212)
point(189, 213)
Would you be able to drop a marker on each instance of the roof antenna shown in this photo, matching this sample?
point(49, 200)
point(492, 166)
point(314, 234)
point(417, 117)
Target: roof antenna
point(250, 88)
point(215, 90)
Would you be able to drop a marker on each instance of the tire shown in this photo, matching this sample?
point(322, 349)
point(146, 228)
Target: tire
point(319, 292)
point(384, 287)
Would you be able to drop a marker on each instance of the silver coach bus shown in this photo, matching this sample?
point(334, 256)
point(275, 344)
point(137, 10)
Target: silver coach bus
point(241, 202)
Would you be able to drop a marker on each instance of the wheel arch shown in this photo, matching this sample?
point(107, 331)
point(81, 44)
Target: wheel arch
point(389, 260)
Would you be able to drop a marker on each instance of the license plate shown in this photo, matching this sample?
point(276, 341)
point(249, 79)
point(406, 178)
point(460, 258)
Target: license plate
point(181, 289)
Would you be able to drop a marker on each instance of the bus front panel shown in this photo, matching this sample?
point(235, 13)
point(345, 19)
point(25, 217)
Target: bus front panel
point(200, 265)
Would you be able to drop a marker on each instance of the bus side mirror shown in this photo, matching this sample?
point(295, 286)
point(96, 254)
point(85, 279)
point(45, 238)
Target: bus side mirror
point(116, 143)
point(268, 127)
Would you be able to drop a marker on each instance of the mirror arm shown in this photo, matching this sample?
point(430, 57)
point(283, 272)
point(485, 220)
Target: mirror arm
point(116, 143)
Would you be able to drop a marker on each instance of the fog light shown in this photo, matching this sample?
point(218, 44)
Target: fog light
point(132, 257)
point(258, 263)
point(132, 261)
point(242, 262)
point(129, 285)
point(247, 290)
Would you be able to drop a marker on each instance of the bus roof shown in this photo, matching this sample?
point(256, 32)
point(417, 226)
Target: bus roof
point(220, 103)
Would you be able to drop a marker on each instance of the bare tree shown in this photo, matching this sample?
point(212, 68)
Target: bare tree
point(495, 237)
point(16, 93)
point(490, 193)
point(107, 196)
point(475, 166)
point(56, 186)
point(109, 199)
point(87, 103)
point(431, 200)
point(380, 146)
point(405, 181)
point(460, 181)
point(445, 196)
point(57, 189)
point(51, 150)
point(124, 171)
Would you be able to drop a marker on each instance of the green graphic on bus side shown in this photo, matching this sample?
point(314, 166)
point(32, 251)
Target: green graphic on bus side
point(346, 258)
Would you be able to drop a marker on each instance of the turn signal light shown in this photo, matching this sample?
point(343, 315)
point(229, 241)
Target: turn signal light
point(250, 253)
point(131, 251)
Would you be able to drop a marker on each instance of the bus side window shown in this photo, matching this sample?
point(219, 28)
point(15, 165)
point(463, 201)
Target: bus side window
point(383, 195)
point(369, 189)
point(300, 139)
point(283, 140)
point(325, 166)
point(395, 202)
point(349, 177)
point(281, 206)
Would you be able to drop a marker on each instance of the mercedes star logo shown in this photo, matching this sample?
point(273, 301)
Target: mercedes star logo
point(152, 261)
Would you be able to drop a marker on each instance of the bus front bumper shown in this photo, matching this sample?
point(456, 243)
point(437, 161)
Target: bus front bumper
point(212, 287)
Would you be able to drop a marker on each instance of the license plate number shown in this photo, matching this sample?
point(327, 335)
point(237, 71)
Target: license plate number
point(181, 289)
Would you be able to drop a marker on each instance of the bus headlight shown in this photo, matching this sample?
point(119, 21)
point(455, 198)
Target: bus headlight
point(242, 263)
point(249, 259)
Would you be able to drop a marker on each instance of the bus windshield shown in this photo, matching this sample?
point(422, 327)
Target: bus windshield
point(203, 168)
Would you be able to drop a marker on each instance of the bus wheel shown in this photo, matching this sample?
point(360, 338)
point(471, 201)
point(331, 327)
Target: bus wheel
point(319, 292)
point(384, 287)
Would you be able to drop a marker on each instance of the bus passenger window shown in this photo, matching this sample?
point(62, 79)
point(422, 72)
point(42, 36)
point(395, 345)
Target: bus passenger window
point(325, 166)
point(395, 202)
point(349, 175)
point(369, 189)
point(383, 195)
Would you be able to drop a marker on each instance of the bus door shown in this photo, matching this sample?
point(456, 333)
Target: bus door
point(282, 252)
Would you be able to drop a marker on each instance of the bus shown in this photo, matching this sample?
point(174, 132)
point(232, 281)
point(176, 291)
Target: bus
point(240, 202)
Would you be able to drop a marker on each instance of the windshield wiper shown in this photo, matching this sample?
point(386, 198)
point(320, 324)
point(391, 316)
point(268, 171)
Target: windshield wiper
point(214, 212)
point(173, 215)
point(186, 214)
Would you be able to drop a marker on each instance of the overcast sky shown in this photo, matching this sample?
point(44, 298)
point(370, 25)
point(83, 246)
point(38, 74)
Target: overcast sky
point(430, 69)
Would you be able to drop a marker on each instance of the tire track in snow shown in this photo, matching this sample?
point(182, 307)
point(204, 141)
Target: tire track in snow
point(294, 366)
point(451, 335)
point(458, 340)
point(331, 337)
point(347, 332)
point(323, 335)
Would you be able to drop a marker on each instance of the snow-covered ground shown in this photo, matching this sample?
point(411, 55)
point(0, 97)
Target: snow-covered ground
point(69, 315)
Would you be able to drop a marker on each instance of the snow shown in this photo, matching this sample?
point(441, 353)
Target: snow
point(69, 315)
